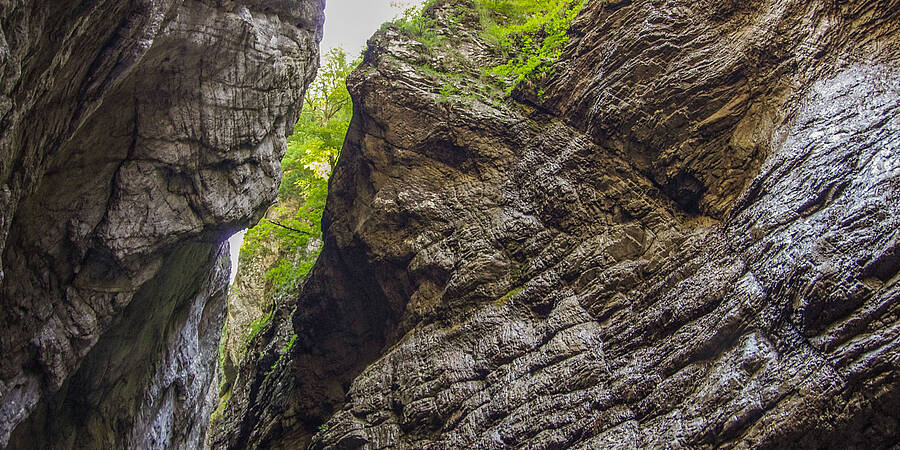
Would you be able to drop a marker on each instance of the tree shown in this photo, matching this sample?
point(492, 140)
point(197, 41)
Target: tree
point(319, 134)
point(312, 153)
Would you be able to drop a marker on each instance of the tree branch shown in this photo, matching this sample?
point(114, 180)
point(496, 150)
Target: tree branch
point(275, 222)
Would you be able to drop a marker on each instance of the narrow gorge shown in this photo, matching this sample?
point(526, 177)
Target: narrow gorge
point(552, 224)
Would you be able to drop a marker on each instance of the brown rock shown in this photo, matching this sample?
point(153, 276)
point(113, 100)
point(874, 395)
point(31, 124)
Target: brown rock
point(688, 241)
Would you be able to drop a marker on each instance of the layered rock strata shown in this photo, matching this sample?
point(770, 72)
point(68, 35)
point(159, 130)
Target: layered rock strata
point(134, 138)
point(686, 236)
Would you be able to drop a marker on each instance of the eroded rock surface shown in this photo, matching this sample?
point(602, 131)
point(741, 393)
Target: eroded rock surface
point(689, 240)
point(134, 138)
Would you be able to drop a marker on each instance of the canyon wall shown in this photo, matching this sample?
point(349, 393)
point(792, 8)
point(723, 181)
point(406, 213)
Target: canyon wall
point(135, 137)
point(684, 235)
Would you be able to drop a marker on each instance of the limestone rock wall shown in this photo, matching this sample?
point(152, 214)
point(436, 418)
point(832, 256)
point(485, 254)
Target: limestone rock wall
point(247, 302)
point(135, 137)
point(689, 240)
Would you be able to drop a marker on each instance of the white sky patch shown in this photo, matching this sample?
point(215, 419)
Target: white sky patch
point(348, 24)
point(235, 241)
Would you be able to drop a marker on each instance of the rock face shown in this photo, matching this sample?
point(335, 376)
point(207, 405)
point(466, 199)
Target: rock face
point(134, 138)
point(689, 240)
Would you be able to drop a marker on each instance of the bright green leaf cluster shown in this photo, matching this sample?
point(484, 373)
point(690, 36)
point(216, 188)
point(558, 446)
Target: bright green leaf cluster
point(533, 33)
point(529, 34)
point(314, 147)
point(256, 326)
point(417, 25)
point(289, 344)
point(284, 349)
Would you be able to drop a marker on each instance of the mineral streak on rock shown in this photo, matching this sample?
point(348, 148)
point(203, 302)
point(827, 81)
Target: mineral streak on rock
point(135, 136)
point(689, 239)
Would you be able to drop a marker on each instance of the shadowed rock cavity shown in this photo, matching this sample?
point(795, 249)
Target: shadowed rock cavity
point(134, 138)
point(688, 240)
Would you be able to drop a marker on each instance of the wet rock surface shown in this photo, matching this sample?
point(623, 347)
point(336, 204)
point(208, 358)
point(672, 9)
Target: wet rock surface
point(689, 240)
point(134, 138)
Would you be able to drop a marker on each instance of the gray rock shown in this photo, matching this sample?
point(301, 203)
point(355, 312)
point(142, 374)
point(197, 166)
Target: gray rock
point(253, 294)
point(134, 138)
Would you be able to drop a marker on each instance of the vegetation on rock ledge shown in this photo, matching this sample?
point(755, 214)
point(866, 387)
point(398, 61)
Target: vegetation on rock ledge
point(525, 37)
point(529, 34)
point(287, 242)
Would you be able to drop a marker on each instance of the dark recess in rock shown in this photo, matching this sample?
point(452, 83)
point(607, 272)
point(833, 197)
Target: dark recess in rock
point(686, 190)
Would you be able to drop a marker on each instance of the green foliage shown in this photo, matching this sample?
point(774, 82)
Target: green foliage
point(415, 24)
point(284, 236)
point(217, 417)
point(532, 32)
point(314, 147)
point(312, 152)
point(256, 326)
point(529, 34)
point(447, 89)
point(287, 273)
point(289, 344)
point(514, 292)
point(284, 349)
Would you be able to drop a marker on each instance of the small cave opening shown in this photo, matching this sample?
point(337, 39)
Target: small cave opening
point(685, 190)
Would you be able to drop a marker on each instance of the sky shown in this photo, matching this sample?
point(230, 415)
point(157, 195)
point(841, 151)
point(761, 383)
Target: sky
point(348, 24)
